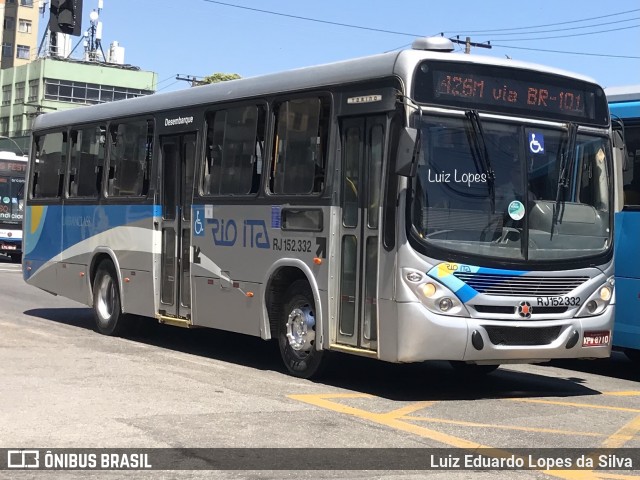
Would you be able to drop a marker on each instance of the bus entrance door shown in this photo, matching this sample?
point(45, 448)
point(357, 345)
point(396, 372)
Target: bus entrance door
point(178, 160)
point(362, 155)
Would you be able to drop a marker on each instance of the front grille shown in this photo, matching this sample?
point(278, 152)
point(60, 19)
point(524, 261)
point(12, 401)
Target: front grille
point(495, 309)
point(506, 310)
point(520, 285)
point(522, 336)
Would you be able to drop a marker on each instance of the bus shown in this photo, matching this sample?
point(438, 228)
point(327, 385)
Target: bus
point(624, 104)
point(12, 177)
point(407, 206)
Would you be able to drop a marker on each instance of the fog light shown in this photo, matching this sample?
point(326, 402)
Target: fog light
point(428, 290)
point(445, 304)
point(605, 293)
point(592, 306)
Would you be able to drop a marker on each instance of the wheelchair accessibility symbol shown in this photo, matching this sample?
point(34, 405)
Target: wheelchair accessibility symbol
point(198, 225)
point(536, 142)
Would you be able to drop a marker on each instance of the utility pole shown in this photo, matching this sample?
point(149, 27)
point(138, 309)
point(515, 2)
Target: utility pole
point(468, 43)
point(190, 78)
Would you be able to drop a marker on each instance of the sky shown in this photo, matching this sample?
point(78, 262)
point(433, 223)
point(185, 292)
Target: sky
point(201, 37)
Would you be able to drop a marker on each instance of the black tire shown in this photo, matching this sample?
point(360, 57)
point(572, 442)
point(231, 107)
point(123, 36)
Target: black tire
point(16, 257)
point(107, 308)
point(304, 363)
point(633, 355)
point(473, 369)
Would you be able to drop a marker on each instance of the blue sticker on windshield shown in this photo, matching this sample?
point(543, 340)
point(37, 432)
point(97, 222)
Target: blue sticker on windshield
point(536, 142)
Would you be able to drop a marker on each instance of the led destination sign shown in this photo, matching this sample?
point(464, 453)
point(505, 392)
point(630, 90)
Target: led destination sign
point(13, 167)
point(507, 90)
point(498, 91)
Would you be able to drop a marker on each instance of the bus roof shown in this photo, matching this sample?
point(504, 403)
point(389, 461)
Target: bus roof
point(5, 155)
point(624, 93)
point(343, 72)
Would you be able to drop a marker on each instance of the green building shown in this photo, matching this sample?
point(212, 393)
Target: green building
point(53, 83)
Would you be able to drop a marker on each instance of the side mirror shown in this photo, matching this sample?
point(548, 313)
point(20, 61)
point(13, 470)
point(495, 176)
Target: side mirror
point(408, 151)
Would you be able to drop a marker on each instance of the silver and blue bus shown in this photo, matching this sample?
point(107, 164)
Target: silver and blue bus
point(407, 206)
point(624, 103)
point(13, 168)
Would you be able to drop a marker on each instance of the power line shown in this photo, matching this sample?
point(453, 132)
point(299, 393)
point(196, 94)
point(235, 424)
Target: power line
point(567, 36)
point(562, 51)
point(308, 19)
point(167, 86)
point(549, 24)
point(360, 27)
point(564, 29)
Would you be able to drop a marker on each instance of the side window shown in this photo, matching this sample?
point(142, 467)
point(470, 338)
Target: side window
point(86, 162)
point(300, 145)
point(631, 172)
point(47, 176)
point(234, 151)
point(130, 158)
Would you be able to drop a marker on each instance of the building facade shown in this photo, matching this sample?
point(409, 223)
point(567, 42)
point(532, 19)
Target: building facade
point(19, 32)
point(52, 83)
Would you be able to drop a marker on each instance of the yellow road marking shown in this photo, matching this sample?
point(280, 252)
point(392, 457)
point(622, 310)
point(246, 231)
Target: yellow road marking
point(388, 419)
point(623, 435)
point(406, 410)
point(617, 476)
point(572, 404)
point(502, 427)
point(631, 393)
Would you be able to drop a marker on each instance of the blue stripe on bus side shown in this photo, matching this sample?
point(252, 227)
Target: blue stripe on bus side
point(61, 227)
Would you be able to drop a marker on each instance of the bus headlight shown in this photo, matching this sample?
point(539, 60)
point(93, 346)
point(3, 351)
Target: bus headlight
point(598, 301)
point(433, 294)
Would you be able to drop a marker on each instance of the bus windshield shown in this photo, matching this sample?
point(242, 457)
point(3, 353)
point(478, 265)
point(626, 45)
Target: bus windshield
point(511, 192)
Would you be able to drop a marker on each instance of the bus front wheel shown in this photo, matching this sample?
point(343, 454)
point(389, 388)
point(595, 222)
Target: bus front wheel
point(297, 332)
point(106, 301)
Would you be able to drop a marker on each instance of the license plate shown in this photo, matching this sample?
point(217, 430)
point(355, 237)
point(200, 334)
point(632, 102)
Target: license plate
point(8, 247)
point(595, 339)
point(557, 301)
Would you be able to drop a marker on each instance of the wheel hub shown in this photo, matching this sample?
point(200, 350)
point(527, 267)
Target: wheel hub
point(300, 328)
point(106, 298)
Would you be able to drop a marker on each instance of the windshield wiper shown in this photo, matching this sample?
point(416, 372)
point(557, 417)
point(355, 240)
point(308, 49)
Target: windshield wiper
point(480, 152)
point(567, 158)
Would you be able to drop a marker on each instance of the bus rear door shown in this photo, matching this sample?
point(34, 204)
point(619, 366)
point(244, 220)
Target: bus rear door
point(177, 163)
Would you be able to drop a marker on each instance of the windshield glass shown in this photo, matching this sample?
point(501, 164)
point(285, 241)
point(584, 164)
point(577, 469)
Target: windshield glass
point(11, 199)
point(511, 192)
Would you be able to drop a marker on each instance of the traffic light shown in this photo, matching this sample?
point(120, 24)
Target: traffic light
point(66, 17)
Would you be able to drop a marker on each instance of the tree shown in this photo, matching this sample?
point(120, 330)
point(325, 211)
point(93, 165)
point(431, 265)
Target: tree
point(220, 77)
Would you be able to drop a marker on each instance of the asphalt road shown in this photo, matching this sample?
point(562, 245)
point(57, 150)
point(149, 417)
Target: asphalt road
point(62, 385)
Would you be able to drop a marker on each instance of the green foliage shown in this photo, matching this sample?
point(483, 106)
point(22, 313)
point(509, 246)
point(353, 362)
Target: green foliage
point(220, 77)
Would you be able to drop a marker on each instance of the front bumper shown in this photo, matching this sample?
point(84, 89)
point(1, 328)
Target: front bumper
point(423, 335)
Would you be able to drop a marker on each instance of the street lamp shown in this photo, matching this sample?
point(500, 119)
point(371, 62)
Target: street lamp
point(15, 143)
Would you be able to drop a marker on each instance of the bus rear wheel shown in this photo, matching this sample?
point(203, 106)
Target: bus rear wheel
point(106, 301)
point(16, 257)
point(297, 332)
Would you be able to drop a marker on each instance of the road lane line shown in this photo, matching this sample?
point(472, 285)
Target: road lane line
point(502, 427)
point(623, 435)
point(402, 412)
point(322, 401)
point(631, 393)
point(572, 404)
